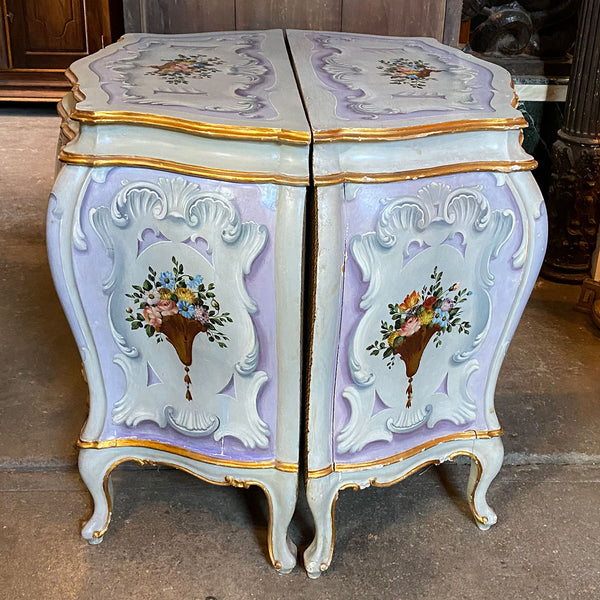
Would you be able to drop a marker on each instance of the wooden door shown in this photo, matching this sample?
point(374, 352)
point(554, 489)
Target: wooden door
point(51, 34)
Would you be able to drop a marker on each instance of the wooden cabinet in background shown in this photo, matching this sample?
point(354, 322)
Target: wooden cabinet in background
point(39, 39)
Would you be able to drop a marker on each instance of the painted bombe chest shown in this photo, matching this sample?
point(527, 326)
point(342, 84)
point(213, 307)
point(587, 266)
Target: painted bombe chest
point(429, 235)
point(175, 237)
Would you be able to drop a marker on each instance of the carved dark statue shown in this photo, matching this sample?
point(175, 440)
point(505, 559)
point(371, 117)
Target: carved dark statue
point(541, 28)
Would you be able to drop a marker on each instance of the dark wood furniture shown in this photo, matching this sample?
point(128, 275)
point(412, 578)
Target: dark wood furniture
point(39, 39)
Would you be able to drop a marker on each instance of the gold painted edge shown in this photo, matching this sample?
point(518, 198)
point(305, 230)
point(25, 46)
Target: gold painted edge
point(320, 472)
point(390, 460)
point(407, 133)
point(483, 520)
point(351, 177)
point(302, 138)
point(183, 168)
point(218, 130)
point(227, 481)
point(436, 461)
point(221, 462)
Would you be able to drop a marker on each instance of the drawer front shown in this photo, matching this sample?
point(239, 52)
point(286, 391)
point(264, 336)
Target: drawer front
point(176, 277)
point(432, 286)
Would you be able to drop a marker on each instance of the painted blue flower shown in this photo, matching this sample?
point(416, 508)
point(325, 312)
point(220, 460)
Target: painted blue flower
point(195, 283)
point(167, 280)
point(186, 309)
point(440, 317)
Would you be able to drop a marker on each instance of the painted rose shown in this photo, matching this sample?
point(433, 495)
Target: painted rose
point(167, 307)
point(152, 316)
point(429, 302)
point(411, 300)
point(410, 326)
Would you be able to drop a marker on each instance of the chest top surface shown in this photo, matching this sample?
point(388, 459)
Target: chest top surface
point(368, 86)
point(233, 84)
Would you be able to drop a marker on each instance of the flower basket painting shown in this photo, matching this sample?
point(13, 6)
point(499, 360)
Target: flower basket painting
point(420, 317)
point(406, 71)
point(178, 70)
point(177, 307)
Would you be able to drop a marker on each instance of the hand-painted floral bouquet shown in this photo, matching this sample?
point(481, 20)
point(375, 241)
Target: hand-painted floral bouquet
point(415, 321)
point(177, 306)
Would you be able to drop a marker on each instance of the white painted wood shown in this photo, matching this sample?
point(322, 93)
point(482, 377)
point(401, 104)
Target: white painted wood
point(322, 492)
point(329, 262)
point(334, 65)
point(96, 466)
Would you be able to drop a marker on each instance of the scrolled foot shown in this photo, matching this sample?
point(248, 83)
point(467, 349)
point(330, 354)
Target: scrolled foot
point(93, 541)
point(95, 467)
point(486, 462)
point(321, 494)
point(282, 502)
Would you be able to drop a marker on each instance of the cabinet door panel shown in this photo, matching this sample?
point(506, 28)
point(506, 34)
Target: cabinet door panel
point(422, 316)
point(45, 33)
point(54, 26)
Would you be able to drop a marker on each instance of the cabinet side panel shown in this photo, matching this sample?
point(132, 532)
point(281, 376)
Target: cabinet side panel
point(176, 276)
point(432, 272)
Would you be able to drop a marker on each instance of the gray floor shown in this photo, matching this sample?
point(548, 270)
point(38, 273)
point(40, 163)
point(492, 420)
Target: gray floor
point(173, 537)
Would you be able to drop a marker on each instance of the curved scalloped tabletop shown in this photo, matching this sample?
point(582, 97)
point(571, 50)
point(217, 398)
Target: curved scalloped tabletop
point(238, 84)
point(136, 98)
point(375, 87)
point(396, 96)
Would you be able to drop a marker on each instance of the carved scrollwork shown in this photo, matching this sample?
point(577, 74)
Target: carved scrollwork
point(178, 211)
point(457, 230)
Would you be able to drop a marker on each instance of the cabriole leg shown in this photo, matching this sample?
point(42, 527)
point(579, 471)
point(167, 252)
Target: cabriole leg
point(484, 468)
point(321, 494)
point(282, 500)
point(95, 467)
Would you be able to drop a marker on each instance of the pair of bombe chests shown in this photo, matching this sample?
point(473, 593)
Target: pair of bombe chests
point(213, 204)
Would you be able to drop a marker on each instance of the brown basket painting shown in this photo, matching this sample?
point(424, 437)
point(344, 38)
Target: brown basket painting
point(177, 307)
point(415, 321)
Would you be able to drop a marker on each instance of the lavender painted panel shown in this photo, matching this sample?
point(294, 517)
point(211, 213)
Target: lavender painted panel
point(224, 75)
point(254, 203)
point(361, 213)
point(376, 78)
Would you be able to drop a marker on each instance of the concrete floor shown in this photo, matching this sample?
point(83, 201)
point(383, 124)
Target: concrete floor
point(174, 537)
